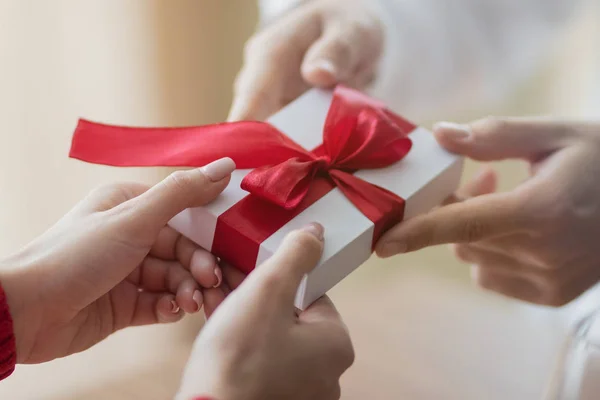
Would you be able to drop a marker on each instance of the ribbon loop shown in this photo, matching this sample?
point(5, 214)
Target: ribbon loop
point(358, 134)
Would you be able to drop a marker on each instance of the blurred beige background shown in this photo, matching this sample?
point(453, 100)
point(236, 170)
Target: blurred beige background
point(420, 330)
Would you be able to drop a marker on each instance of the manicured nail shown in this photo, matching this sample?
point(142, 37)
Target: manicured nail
point(453, 131)
point(219, 275)
point(391, 249)
point(325, 66)
point(174, 307)
point(315, 229)
point(220, 169)
point(197, 297)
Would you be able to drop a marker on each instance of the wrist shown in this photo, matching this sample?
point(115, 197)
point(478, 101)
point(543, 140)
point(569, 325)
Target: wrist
point(25, 321)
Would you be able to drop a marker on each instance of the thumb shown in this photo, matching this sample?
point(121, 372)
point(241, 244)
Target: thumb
point(493, 139)
point(152, 210)
point(345, 52)
point(276, 281)
point(475, 219)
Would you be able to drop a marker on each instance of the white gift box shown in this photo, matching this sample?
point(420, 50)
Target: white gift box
point(424, 178)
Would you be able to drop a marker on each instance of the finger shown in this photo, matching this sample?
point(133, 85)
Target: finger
point(322, 325)
point(156, 275)
point(270, 76)
point(485, 182)
point(493, 260)
point(148, 213)
point(478, 218)
point(276, 281)
point(205, 270)
point(212, 299)
point(519, 246)
point(554, 286)
point(503, 282)
point(321, 310)
point(493, 139)
point(345, 50)
point(232, 276)
point(503, 274)
point(201, 263)
point(153, 308)
point(165, 244)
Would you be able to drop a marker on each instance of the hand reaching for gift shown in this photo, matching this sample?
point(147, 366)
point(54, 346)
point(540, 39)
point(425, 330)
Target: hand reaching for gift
point(538, 242)
point(111, 263)
point(317, 44)
point(255, 347)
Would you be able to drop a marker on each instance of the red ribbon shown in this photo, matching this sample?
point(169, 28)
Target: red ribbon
point(359, 133)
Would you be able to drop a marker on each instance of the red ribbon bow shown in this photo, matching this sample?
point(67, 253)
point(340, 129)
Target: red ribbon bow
point(359, 133)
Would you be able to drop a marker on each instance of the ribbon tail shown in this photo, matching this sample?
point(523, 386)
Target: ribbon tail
point(384, 208)
point(250, 144)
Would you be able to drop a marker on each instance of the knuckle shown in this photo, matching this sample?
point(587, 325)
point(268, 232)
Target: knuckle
point(489, 126)
point(272, 282)
point(473, 230)
point(551, 214)
point(461, 252)
point(420, 235)
point(342, 49)
point(180, 181)
point(363, 28)
point(108, 190)
point(263, 45)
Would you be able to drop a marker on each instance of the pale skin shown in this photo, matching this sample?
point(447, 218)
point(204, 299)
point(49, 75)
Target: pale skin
point(113, 262)
point(319, 43)
point(536, 242)
point(110, 263)
point(256, 347)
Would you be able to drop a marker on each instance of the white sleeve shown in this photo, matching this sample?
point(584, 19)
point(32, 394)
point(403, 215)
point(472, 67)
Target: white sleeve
point(442, 56)
point(445, 56)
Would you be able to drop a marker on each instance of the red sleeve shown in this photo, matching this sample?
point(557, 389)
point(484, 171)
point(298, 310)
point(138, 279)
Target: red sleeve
point(8, 351)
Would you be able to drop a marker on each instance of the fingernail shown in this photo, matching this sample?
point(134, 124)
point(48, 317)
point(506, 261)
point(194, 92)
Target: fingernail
point(174, 307)
point(219, 275)
point(220, 169)
point(315, 229)
point(392, 248)
point(453, 131)
point(197, 297)
point(325, 66)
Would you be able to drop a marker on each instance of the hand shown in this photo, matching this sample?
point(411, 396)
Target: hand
point(255, 347)
point(111, 263)
point(538, 242)
point(319, 43)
